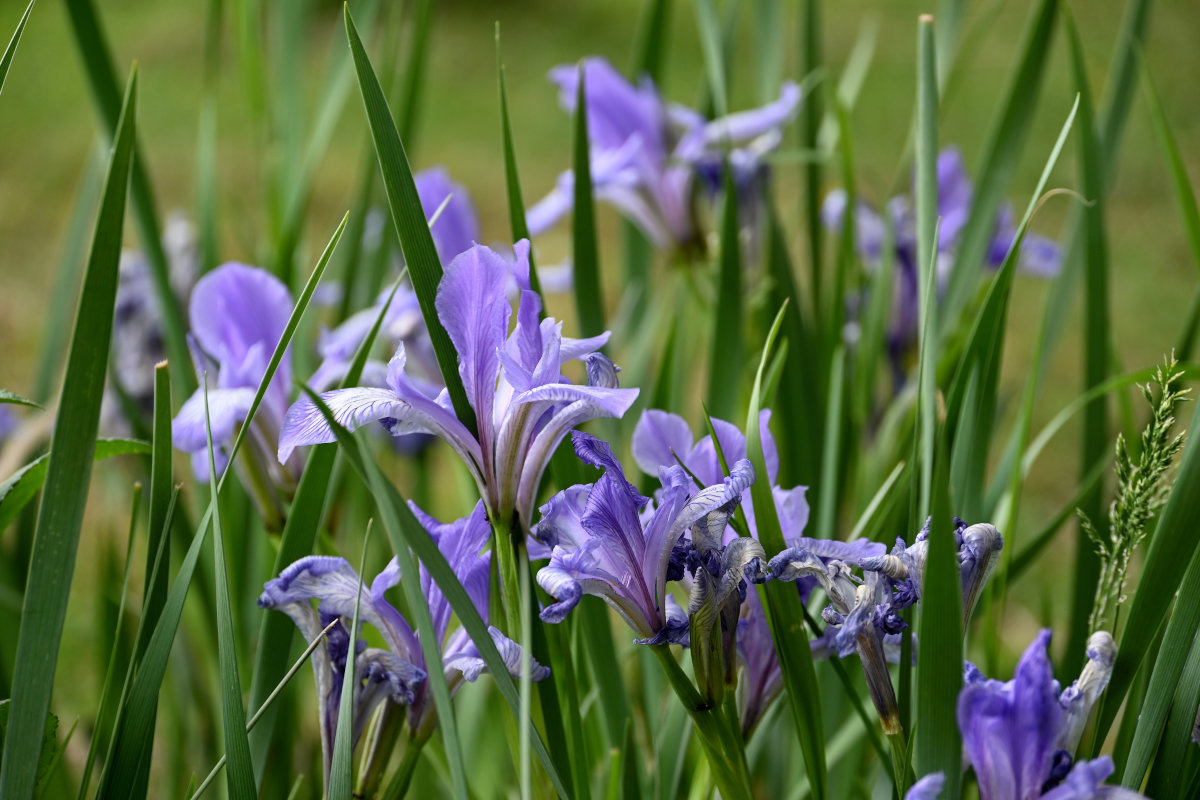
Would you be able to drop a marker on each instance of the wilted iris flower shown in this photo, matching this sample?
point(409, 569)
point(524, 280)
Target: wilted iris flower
point(396, 672)
point(138, 338)
point(1020, 736)
point(978, 549)
point(238, 314)
point(646, 153)
point(1038, 256)
point(606, 539)
point(662, 439)
point(523, 405)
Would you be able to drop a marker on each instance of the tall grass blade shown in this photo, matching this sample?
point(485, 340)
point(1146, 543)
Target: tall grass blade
point(650, 52)
point(11, 50)
point(927, 233)
point(69, 465)
point(785, 613)
point(102, 77)
point(408, 217)
point(714, 55)
point(512, 177)
point(810, 125)
point(240, 775)
point(585, 252)
point(341, 771)
point(298, 538)
point(1167, 778)
point(725, 371)
point(132, 732)
point(1097, 347)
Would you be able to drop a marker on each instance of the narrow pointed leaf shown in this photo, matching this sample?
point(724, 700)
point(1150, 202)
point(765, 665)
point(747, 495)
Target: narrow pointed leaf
point(725, 372)
point(585, 250)
point(10, 51)
point(240, 775)
point(408, 217)
point(69, 465)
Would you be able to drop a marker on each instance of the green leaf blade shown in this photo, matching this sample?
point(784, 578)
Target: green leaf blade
point(69, 464)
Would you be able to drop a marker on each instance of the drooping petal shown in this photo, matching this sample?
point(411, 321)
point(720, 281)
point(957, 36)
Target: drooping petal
point(471, 665)
point(742, 126)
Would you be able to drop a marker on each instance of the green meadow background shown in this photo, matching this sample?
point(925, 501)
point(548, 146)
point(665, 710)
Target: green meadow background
point(49, 131)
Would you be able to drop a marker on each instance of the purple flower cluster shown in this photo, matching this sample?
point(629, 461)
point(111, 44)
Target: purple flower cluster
point(646, 153)
point(397, 671)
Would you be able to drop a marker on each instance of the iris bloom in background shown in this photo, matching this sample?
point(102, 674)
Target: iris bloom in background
point(454, 231)
point(1038, 256)
point(398, 671)
point(523, 405)
point(238, 314)
point(646, 153)
point(138, 338)
point(1020, 736)
point(607, 540)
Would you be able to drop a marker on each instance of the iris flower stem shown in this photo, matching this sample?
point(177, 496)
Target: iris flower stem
point(515, 597)
point(727, 765)
point(899, 762)
point(398, 785)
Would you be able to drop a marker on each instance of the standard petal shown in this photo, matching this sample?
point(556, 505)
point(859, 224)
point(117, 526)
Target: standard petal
point(742, 126)
point(237, 306)
point(472, 302)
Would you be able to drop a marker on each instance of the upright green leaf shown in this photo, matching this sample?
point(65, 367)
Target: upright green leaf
point(408, 217)
point(60, 515)
point(132, 739)
point(512, 177)
point(589, 297)
point(341, 770)
point(10, 51)
point(653, 38)
point(785, 613)
point(1097, 346)
point(240, 774)
point(724, 379)
point(1167, 778)
point(714, 58)
point(102, 76)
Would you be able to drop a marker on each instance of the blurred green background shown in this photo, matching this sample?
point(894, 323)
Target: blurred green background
point(49, 131)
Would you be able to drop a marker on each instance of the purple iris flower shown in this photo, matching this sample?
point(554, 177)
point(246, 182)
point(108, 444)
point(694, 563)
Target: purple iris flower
point(457, 227)
point(523, 405)
point(646, 153)
point(662, 439)
point(1020, 735)
point(1039, 255)
point(397, 671)
point(238, 315)
point(606, 539)
point(978, 548)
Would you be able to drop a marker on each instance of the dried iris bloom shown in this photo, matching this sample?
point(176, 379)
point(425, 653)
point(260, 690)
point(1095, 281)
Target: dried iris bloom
point(238, 315)
point(398, 671)
point(523, 405)
point(1038, 256)
point(646, 153)
point(662, 439)
point(606, 539)
point(1020, 735)
point(978, 549)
